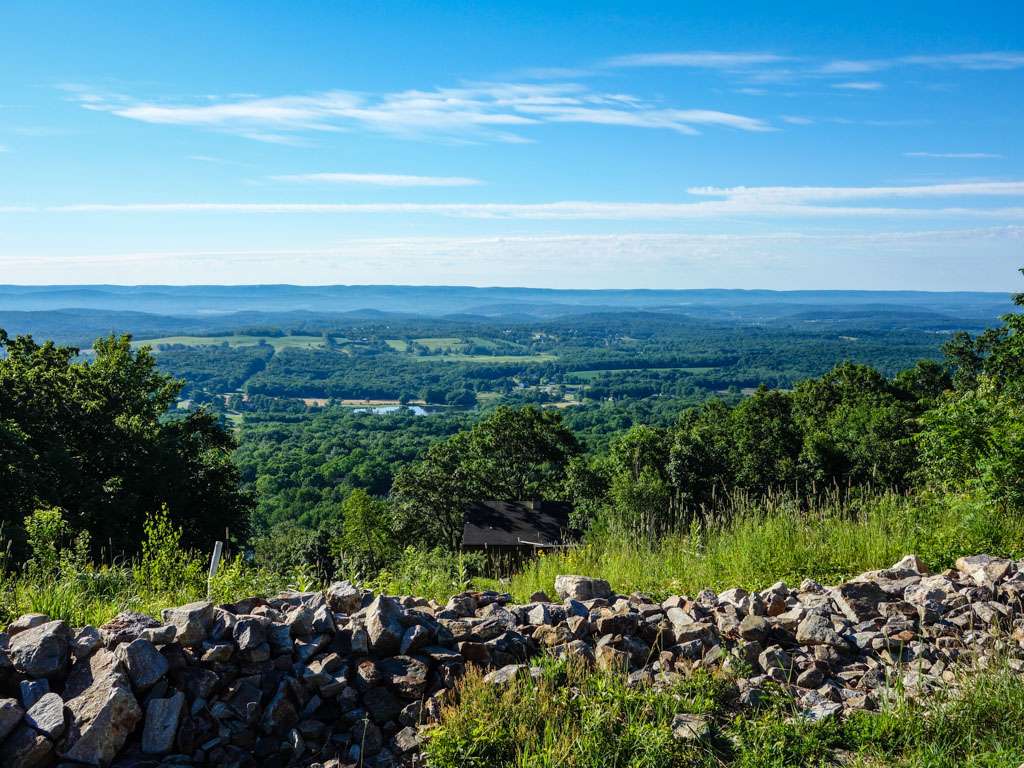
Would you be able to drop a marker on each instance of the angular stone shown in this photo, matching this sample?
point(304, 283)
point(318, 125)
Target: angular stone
point(102, 717)
point(859, 600)
point(164, 635)
point(27, 621)
point(47, 716)
point(817, 629)
point(10, 715)
point(506, 674)
point(42, 651)
point(687, 727)
point(581, 587)
point(126, 627)
point(32, 691)
point(26, 748)
point(344, 598)
point(145, 664)
point(86, 642)
point(414, 638)
point(381, 704)
point(754, 628)
point(161, 726)
point(192, 622)
point(384, 626)
point(250, 632)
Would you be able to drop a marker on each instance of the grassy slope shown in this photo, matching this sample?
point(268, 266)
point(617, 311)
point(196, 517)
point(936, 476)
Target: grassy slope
point(757, 545)
point(577, 718)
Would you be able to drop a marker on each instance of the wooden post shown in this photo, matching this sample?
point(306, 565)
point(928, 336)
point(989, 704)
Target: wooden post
point(218, 548)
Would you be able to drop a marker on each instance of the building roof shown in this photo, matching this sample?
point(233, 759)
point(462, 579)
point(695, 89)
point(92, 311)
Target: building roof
point(516, 523)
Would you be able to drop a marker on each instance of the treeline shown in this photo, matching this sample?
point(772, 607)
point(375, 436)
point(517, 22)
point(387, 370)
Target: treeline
point(100, 440)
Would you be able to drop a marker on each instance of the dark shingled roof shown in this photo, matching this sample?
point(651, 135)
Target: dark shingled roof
point(516, 523)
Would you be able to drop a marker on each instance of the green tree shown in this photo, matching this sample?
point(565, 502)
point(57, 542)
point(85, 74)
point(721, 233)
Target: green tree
point(94, 438)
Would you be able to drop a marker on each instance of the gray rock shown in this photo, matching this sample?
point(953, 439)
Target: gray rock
point(344, 598)
point(192, 622)
point(27, 621)
point(145, 664)
point(859, 600)
point(160, 635)
point(47, 716)
point(414, 638)
point(382, 705)
point(384, 626)
point(162, 718)
point(102, 717)
point(85, 643)
point(817, 629)
point(125, 627)
point(506, 674)
point(32, 691)
point(10, 715)
point(687, 727)
point(250, 632)
point(581, 587)
point(26, 748)
point(43, 650)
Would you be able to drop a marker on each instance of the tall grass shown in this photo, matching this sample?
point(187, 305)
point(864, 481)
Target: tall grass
point(754, 544)
point(572, 717)
point(61, 582)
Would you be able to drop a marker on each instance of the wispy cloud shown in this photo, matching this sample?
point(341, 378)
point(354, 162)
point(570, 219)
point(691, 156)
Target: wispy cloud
point(4, 148)
point(768, 202)
point(956, 155)
point(489, 111)
point(819, 194)
point(380, 179)
point(727, 60)
point(860, 85)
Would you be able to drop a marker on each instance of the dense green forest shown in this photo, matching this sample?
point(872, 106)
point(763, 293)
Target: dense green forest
point(644, 421)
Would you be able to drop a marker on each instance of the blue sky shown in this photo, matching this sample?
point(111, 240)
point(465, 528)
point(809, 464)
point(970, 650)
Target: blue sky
point(593, 145)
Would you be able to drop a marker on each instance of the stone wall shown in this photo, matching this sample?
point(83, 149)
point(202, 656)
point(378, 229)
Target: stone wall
point(344, 677)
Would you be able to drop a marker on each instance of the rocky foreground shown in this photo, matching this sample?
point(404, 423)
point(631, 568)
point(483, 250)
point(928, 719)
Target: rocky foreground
point(344, 677)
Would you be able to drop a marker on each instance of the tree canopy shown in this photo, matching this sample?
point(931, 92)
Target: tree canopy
point(94, 438)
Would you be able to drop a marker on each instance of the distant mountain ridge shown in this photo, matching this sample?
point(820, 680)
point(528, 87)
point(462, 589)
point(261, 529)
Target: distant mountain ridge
point(437, 301)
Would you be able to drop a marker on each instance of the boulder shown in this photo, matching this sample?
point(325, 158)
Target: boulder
point(817, 629)
point(144, 663)
point(10, 716)
point(126, 627)
point(344, 597)
point(26, 748)
point(27, 621)
point(192, 622)
point(42, 651)
point(687, 727)
point(102, 717)
point(384, 626)
point(161, 726)
point(47, 716)
point(582, 588)
point(859, 600)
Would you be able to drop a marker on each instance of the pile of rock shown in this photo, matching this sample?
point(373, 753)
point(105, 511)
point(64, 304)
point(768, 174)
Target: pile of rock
point(344, 677)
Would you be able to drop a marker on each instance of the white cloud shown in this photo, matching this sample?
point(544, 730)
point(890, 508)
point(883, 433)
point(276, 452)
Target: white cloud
point(985, 60)
point(956, 155)
point(824, 194)
point(797, 120)
point(727, 60)
point(860, 85)
point(380, 179)
point(760, 202)
point(493, 111)
point(770, 260)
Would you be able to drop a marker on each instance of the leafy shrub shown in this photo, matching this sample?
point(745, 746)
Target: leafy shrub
point(165, 566)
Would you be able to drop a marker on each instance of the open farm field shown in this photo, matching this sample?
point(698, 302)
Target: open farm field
point(277, 342)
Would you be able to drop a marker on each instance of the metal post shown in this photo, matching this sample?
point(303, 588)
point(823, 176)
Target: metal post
point(218, 548)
